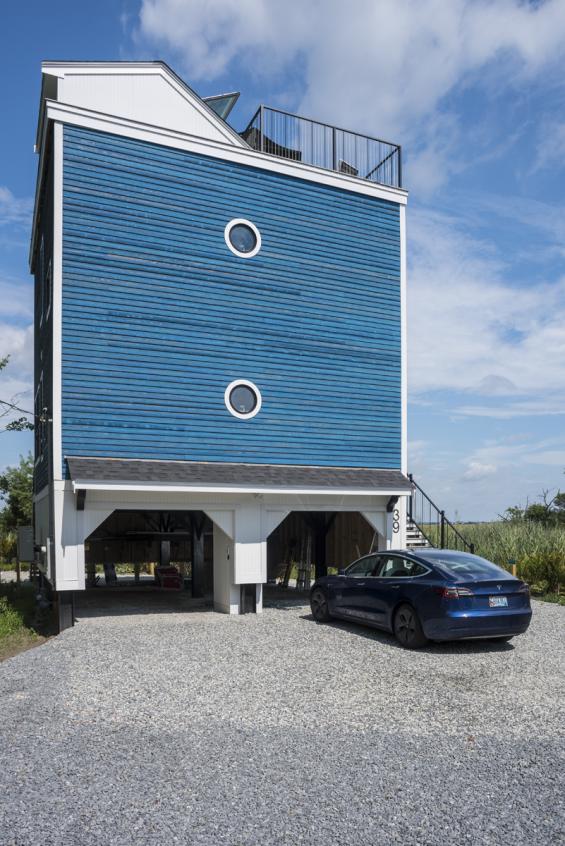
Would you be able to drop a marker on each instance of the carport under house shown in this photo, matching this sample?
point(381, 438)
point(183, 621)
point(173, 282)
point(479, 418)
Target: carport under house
point(220, 336)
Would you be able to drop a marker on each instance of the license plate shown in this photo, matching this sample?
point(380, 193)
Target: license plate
point(498, 601)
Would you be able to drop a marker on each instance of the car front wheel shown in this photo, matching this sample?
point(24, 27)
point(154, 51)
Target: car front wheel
point(408, 629)
point(319, 606)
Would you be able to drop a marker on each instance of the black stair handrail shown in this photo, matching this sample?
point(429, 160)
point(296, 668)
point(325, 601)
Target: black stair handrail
point(436, 527)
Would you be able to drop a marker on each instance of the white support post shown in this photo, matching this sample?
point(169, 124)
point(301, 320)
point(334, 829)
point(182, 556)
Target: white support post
point(226, 593)
point(240, 552)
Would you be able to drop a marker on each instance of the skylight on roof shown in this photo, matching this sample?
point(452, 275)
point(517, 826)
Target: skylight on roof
point(222, 104)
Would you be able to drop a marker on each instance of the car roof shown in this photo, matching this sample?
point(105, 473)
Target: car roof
point(411, 553)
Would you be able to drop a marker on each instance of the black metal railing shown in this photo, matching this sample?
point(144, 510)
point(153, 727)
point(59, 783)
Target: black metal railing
point(432, 523)
point(300, 139)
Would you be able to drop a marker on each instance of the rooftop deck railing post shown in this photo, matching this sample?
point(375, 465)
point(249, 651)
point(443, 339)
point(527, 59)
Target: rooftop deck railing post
point(323, 147)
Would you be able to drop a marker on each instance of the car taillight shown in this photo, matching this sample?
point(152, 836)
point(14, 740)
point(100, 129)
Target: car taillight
point(524, 588)
point(454, 592)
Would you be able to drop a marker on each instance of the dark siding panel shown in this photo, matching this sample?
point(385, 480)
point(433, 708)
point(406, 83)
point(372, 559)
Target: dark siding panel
point(159, 316)
point(43, 342)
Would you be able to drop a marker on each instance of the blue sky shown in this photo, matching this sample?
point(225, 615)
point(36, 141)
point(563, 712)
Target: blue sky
point(475, 93)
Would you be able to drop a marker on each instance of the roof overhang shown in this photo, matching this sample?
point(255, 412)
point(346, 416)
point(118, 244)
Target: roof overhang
point(125, 474)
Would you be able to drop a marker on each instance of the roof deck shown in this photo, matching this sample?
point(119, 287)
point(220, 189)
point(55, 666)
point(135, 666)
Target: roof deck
point(300, 139)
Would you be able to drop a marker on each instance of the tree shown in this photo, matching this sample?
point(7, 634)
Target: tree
point(550, 511)
point(514, 514)
point(559, 506)
point(16, 493)
point(7, 407)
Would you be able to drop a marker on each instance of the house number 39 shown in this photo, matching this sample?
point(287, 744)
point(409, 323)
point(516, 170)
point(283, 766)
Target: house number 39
point(396, 521)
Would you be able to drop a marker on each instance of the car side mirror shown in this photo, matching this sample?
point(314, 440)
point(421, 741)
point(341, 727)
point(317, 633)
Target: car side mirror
point(341, 572)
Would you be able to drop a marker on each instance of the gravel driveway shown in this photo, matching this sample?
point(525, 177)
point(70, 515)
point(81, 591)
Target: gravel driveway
point(198, 728)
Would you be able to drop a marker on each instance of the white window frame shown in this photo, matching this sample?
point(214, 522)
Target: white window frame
point(236, 222)
point(247, 384)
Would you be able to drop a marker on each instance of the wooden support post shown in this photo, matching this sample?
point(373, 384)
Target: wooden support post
point(320, 550)
point(320, 522)
point(198, 574)
point(165, 557)
point(65, 609)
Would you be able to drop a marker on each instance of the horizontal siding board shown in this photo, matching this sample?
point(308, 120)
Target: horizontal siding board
point(166, 168)
point(159, 316)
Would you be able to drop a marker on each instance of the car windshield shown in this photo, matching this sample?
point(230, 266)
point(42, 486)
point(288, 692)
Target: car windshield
point(462, 565)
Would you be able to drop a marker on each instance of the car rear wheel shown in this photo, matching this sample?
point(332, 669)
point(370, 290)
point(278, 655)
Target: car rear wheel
point(408, 629)
point(319, 606)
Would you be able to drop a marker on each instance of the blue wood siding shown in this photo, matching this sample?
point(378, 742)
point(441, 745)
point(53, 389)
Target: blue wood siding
point(159, 316)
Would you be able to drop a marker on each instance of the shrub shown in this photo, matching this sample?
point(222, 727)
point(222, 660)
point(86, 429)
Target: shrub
point(546, 569)
point(11, 621)
point(537, 550)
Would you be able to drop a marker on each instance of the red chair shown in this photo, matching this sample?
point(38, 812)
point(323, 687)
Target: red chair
point(168, 577)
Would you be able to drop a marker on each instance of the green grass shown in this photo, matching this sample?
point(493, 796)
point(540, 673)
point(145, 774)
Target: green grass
point(19, 626)
point(11, 620)
point(558, 599)
point(537, 551)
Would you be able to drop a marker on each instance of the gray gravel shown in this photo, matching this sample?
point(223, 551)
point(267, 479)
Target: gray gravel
point(197, 728)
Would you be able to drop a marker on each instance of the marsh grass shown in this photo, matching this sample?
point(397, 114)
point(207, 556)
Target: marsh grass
point(537, 551)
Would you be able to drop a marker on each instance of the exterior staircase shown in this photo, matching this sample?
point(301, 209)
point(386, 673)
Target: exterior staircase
point(427, 525)
point(415, 539)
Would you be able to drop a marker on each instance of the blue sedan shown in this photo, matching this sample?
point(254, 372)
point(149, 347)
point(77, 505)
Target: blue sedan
point(431, 594)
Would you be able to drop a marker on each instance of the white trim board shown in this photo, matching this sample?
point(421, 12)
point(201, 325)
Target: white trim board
point(57, 304)
point(403, 347)
point(245, 155)
point(90, 485)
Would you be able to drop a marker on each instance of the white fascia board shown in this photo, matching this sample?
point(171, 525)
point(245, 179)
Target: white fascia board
point(38, 186)
point(79, 484)
point(57, 305)
point(403, 346)
point(113, 125)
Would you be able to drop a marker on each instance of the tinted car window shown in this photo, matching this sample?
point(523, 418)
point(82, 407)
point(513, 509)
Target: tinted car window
point(395, 567)
point(363, 567)
point(464, 565)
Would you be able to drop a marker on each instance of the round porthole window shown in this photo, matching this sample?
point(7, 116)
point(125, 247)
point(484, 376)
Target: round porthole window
point(243, 238)
point(243, 399)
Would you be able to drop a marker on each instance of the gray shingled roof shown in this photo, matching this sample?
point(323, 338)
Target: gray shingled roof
point(248, 475)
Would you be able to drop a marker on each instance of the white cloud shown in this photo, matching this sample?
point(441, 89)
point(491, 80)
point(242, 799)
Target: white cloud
point(471, 331)
point(14, 210)
point(518, 451)
point(17, 342)
point(378, 66)
point(16, 379)
point(16, 301)
point(551, 147)
point(541, 407)
point(476, 470)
